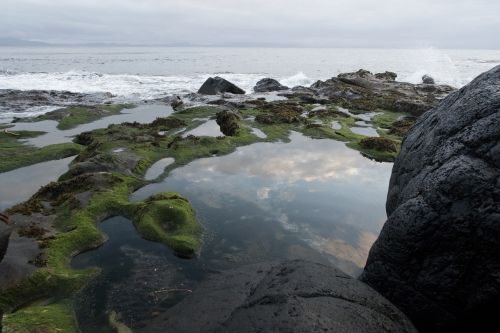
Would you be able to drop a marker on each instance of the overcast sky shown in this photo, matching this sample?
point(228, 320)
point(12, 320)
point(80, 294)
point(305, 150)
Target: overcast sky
point(318, 23)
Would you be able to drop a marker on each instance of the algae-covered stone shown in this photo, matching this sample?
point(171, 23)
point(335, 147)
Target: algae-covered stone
point(169, 218)
point(228, 122)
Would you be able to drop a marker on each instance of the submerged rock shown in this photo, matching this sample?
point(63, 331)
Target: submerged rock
point(268, 84)
point(217, 85)
point(437, 255)
point(228, 122)
point(426, 79)
point(294, 296)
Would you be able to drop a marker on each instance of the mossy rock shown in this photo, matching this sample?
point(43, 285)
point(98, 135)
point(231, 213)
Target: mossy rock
point(53, 318)
point(73, 116)
point(16, 154)
point(169, 218)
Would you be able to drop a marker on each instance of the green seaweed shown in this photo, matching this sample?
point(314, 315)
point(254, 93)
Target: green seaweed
point(16, 154)
point(73, 116)
point(52, 318)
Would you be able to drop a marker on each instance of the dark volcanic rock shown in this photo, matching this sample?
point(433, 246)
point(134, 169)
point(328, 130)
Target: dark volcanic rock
point(217, 85)
point(228, 122)
point(267, 84)
point(295, 296)
point(438, 255)
point(426, 79)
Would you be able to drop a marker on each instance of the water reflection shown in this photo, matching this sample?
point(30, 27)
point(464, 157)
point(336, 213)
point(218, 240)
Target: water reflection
point(209, 128)
point(157, 168)
point(318, 190)
point(142, 114)
point(20, 184)
point(368, 131)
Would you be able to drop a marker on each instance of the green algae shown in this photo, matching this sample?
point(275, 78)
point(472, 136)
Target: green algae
point(73, 116)
point(53, 318)
point(16, 154)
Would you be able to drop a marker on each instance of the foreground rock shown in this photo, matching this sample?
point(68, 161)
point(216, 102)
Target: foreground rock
point(295, 296)
point(437, 255)
point(217, 85)
point(268, 84)
point(363, 90)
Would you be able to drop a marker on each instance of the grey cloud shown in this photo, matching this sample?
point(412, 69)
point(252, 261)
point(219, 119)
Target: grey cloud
point(385, 23)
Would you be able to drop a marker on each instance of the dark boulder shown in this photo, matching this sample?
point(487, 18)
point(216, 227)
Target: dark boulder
point(228, 122)
point(267, 84)
point(438, 255)
point(294, 296)
point(217, 85)
point(426, 79)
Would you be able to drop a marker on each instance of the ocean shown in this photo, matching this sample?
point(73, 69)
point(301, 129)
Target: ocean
point(142, 73)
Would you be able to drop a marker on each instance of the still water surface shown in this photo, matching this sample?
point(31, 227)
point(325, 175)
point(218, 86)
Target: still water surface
point(309, 199)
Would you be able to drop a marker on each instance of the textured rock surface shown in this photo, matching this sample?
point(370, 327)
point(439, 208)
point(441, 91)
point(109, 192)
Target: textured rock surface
point(295, 296)
point(228, 122)
point(217, 85)
point(268, 84)
point(438, 255)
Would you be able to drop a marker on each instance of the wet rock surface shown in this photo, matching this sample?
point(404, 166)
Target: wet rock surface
point(268, 84)
point(217, 85)
point(19, 101)
point(437, 255)
point(294, 296)
point(366, 91)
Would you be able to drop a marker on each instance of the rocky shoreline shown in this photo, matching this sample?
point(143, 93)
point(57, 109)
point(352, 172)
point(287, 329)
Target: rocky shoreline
point(59, 221)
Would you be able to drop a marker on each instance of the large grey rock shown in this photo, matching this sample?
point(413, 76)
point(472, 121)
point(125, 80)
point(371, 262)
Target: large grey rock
point(217, 85)
point(438, 255)
point(294, 296)
point(268, 84)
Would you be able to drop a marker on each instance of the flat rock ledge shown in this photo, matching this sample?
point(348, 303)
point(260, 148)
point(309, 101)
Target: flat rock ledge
point(292, 296)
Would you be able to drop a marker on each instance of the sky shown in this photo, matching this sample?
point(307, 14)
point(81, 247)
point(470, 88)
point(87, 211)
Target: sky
point(303, 23)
